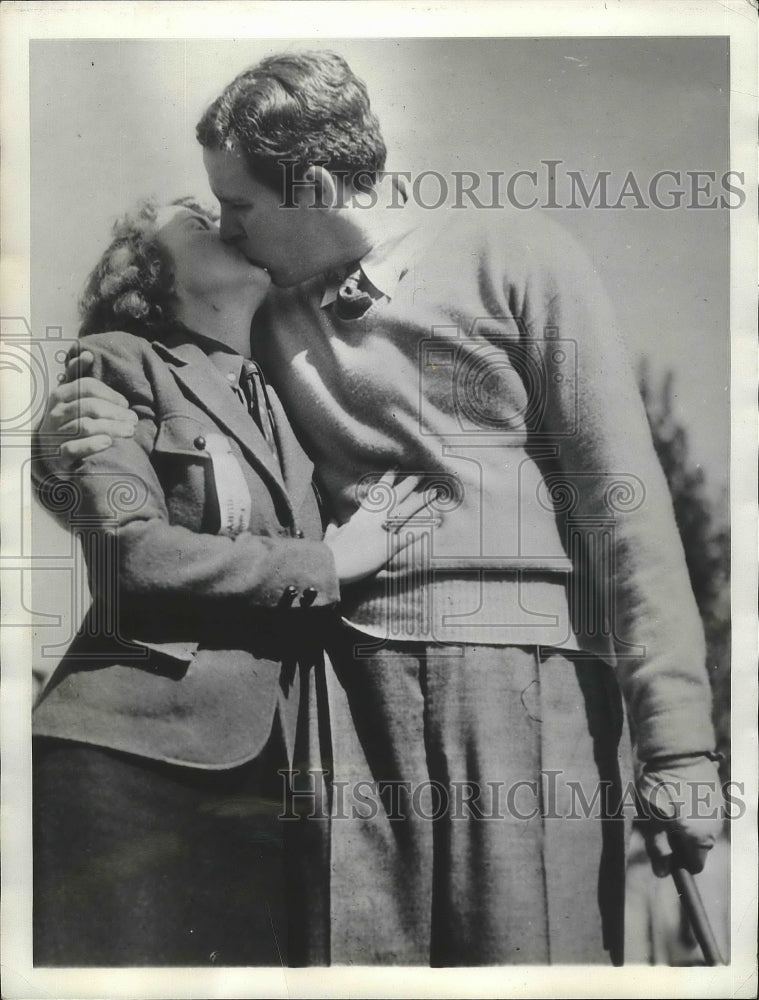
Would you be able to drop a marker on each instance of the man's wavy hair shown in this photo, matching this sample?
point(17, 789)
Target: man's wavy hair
point(131, 287)
point(299, 108)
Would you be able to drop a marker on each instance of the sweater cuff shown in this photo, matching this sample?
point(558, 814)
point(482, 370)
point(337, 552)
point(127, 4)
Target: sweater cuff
point(674, 733)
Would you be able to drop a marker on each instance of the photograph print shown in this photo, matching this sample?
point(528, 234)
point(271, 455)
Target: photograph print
point(381, 525)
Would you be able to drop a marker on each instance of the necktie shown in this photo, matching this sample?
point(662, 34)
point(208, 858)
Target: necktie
point(254, 389)
point(354, 296)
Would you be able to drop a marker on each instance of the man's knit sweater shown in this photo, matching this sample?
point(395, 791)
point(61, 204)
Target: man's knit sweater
point(492, 364)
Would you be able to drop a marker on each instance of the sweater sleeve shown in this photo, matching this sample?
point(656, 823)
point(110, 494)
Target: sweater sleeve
point(162, 581)
point(637, 580)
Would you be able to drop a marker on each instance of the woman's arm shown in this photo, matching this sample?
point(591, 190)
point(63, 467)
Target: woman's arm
point(165, 582)
point(160, 578)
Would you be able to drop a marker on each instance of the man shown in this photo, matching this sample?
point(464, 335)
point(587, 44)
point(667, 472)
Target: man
point(475, 709)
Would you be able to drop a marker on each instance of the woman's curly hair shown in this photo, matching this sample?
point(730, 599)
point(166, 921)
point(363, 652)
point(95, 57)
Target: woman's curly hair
point(131, 286)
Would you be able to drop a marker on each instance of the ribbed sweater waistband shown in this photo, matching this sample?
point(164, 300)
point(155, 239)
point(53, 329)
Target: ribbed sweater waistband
point(493, 609)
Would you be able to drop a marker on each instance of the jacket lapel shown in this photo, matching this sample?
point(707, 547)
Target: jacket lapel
point(202, 382)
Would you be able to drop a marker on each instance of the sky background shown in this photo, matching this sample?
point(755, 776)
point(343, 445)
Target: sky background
point(113, 121)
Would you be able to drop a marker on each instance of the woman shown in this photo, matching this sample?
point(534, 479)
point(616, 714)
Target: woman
point(197, 675)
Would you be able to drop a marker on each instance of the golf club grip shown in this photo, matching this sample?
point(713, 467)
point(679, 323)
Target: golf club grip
point(697, 916)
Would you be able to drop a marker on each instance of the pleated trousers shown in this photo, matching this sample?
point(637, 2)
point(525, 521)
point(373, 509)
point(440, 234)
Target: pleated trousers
point(476, 813)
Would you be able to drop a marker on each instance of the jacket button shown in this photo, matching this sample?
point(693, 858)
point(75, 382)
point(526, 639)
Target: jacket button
point(200, 443)
point(299, 533)
point(309, 596)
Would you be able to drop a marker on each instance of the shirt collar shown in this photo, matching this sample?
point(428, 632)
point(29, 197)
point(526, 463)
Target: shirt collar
point(383, 272)
point(384, 265)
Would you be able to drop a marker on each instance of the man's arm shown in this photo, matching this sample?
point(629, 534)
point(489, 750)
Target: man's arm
point(166, 581)
point(83, 417)
point(644, 582)
point(166, 577)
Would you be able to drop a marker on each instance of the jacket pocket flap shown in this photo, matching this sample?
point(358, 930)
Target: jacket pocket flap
point(181, 435)
point(184, 651)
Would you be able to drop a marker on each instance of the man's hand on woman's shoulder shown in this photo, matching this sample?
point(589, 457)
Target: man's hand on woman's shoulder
point(84, 414)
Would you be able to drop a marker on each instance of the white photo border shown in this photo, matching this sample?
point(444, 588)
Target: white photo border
point(737, 19)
